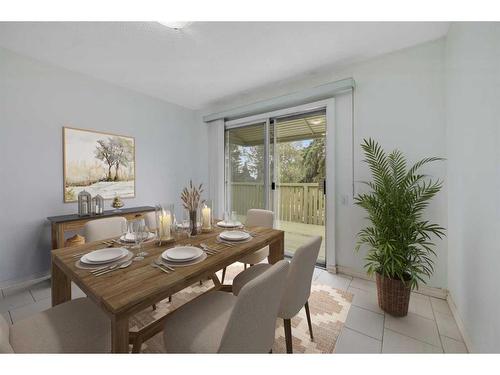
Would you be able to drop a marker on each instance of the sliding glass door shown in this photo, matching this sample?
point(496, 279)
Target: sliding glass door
point(278, 163)
point(246, 169)
point(299, 174)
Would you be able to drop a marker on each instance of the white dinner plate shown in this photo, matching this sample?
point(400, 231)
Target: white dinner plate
point(130, 237)
point(234, 235)
point(182, 253)
point(104, 255)
point(229, 224)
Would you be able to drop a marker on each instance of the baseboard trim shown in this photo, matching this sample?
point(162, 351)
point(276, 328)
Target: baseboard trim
point(460, 322)
point(424, 289)
point(25, 281)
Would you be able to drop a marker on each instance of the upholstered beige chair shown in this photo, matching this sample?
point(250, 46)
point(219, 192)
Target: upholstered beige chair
point(256, 218)
point(76, 326)
point(150, 220)
point(102, 229)
point(219, 322)
point(298, 285)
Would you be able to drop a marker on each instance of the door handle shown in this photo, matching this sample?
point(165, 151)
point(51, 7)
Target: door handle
point(273, 186)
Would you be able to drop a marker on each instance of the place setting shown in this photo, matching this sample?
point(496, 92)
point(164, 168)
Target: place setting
point(182, 256)
point(102, 261)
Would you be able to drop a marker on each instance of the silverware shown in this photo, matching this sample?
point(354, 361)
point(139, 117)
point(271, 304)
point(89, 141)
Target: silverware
point(107, 266)
point(159, 263)
point(120, 266)
point(230, 244)
point(208, 249)
point(99, 269)
point(153, 264)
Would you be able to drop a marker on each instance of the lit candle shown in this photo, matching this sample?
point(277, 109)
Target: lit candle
point(165, 224)
point(206, 215)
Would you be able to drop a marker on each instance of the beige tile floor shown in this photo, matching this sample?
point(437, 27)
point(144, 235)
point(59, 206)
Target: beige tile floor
point(428, 328)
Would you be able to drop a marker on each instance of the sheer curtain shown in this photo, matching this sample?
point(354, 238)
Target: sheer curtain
point(216, 165)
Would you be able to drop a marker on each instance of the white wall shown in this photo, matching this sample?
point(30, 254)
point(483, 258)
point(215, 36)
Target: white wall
point(36, 101)
point(473, 121)
point(399, 100)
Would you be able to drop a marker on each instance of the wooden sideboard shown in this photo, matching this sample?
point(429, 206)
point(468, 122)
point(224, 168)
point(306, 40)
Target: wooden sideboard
point(66, 223)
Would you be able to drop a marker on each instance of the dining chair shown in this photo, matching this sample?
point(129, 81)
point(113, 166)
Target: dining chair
point(219, 322)
point(102, 229)
point(150, 220)
point(298, 285)
point(256, 218)
point(76, 326)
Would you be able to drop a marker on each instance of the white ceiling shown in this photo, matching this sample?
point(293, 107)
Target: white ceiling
point(197, 66)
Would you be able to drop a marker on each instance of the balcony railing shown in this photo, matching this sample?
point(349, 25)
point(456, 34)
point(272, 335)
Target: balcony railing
point(297, 202)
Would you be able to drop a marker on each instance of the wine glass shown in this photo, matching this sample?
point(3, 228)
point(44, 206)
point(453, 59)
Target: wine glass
point(140, 234)
point(234, 217)
point(186, 224)
point(125, 229)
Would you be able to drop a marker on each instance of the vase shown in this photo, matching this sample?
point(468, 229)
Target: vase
point(393, 295)
point(193, 222)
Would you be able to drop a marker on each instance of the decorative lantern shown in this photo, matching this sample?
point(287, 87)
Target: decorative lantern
point(206, 216)
point(84, 203)
point(164, 222)
point(99, 205)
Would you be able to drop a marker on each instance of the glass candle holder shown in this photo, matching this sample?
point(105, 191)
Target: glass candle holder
point(164, 222)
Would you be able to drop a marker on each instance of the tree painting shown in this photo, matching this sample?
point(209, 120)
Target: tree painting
point(100, 163)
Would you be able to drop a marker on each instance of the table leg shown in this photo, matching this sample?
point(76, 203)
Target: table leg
point(277, 249)
point(61, 286)
point(119, 335)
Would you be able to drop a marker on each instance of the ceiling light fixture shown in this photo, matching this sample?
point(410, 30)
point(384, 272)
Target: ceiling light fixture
point(316, 121)
point(176, 25)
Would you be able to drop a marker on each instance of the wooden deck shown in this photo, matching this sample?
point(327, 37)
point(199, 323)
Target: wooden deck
point(297, 234)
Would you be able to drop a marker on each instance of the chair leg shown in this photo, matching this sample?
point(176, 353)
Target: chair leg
point(169, 298)
point(308, 314)
point(288, 335)
point(201, 282)
point(154, 306)
point(223, 275)
point(245, 266)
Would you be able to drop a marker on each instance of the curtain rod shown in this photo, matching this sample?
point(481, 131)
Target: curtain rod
point(325, 91)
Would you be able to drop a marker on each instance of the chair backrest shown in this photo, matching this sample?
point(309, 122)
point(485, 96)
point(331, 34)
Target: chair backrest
point(252, 323)
point(5, 346)
point(150, 220)
point(101, 229)
point(298, 283)
point(260, 218)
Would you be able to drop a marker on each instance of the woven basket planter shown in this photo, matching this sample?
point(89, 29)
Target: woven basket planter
point(393, 295)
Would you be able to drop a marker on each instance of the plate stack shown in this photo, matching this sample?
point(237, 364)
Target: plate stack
point(130, 237)
point(102, 257)
point(229, 224)
point(183, 256)
point(234, 236)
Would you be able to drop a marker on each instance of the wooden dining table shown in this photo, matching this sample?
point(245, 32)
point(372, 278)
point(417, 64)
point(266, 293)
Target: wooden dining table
point(125, 292)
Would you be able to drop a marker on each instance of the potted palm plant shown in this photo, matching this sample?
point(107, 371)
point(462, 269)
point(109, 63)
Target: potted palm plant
point(399, 240)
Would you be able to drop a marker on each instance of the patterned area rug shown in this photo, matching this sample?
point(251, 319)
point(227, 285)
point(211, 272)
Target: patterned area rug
point(328, 306)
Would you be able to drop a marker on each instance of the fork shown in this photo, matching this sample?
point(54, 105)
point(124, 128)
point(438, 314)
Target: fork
point(219, 241)
point(153, 264)
point(157, 262)
point(208, 249)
